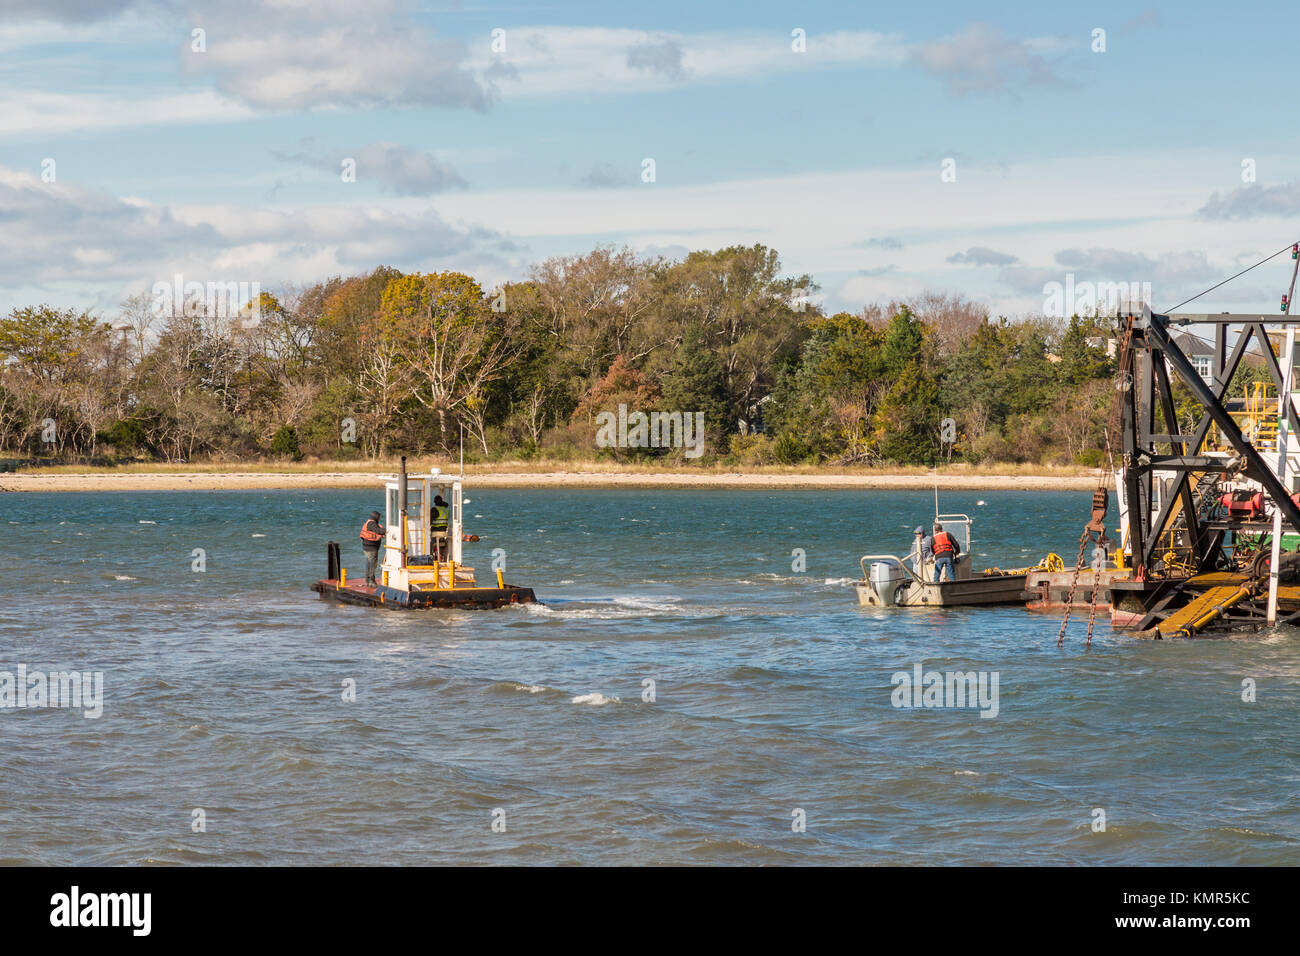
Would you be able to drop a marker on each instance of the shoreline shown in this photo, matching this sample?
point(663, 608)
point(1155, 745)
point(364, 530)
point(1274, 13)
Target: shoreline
point(235, 481)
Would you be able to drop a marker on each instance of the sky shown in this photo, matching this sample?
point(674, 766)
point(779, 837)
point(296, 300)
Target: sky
point(883, 149)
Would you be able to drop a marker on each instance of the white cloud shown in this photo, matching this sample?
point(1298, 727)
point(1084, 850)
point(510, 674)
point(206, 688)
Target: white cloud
point(1253, 201)
point(73, 11)
point(981, 256)
point(554, 60)
point(100, 246)
point(396, 169)
point(824, 223)
point(1113, 218)
point(43, 113)
point(330, 53)
point(983, 59)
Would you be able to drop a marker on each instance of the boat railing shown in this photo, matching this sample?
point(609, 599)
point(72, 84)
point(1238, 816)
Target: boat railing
point(889, 559)
point(963, 520)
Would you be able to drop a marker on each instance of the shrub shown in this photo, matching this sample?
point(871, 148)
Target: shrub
point(789, 450)
point(285, 444)
point(751, 450)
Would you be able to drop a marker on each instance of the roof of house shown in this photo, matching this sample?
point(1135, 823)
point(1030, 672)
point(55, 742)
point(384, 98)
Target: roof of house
point(1194, 346)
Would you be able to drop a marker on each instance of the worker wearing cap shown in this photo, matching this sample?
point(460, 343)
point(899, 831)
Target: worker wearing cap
point(372, 536)
point(441, 513)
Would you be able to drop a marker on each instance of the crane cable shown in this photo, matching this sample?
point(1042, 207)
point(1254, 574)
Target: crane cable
point(1289, 245)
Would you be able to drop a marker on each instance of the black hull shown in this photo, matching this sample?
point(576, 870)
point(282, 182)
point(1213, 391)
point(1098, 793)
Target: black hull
point(468, 598)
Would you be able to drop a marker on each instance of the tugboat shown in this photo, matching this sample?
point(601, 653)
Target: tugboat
point(422, 565)
point(890, 581)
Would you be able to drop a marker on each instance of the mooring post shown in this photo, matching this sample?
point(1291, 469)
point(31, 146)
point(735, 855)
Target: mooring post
point(401, 503)
point(1283, 440)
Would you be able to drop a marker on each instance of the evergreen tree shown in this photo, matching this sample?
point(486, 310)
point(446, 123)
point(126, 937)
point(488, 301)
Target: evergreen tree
point(696, 383)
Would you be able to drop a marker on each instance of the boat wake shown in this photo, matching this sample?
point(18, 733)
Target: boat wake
point(620, 607)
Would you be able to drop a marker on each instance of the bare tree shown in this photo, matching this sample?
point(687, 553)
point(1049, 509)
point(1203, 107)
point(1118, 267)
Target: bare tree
point(452, 341)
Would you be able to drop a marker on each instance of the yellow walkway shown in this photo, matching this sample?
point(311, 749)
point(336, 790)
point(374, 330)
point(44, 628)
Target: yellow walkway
point(1202, 610)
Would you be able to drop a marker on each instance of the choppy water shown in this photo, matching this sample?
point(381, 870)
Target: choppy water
point(223, 691)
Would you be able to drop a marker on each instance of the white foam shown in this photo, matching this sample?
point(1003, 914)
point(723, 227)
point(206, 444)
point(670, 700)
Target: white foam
point(147, 522)
point(645, 603)
point(594, 699)
point(530, 688)
point(123, 577)
point(540, 609)
point(259, 536)
point(613, 609)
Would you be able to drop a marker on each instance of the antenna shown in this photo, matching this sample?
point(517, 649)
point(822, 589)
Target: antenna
point(462, 450)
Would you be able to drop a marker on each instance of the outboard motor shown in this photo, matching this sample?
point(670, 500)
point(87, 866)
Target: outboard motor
point(886, 578)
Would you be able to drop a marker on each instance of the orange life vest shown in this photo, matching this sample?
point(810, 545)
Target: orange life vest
point(943, 544)
point(367, 534)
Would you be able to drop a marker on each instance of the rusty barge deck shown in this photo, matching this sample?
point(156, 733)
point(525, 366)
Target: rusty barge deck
point(330, 589)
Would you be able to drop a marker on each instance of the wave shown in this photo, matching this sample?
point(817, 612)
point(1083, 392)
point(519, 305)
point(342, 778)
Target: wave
point(606, 609)
point(529, 688)
point(595, 699)
point(513, 687)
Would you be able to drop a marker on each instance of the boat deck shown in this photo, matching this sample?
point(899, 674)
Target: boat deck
point(368, 595)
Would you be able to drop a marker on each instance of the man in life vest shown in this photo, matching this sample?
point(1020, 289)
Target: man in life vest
point(372, 536)
point(946, 551)
point(439, 522)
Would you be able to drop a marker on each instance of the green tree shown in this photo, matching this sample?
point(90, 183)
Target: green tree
point(1081, 362)
point(696, 383)
point(907, 422)
point(285, 443)
point(49, 343)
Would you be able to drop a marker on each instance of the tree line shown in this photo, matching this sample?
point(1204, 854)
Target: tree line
point(370, 365)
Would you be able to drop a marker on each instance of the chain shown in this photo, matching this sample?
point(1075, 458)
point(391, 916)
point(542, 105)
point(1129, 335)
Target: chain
point(1074, 586)
point(1094, 527)
point(1096, 585)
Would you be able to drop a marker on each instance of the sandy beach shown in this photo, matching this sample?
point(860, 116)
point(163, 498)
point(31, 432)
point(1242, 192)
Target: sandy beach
point(230, 481)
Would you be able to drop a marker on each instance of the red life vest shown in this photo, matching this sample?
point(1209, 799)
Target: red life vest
point(943, 544)
point(367, 534)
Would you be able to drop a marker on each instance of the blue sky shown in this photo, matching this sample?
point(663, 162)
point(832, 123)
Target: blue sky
point(224, 164)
